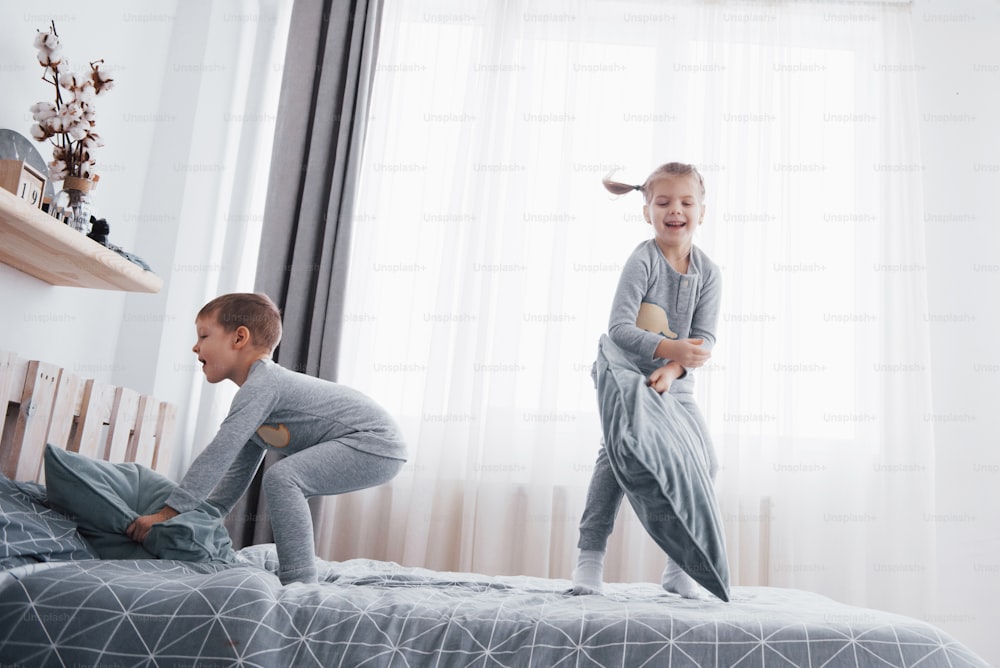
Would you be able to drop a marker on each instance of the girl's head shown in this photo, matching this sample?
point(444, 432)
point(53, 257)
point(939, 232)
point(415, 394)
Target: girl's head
point(675, 203)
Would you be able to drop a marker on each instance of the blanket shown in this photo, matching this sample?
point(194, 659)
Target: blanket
point(657, 453)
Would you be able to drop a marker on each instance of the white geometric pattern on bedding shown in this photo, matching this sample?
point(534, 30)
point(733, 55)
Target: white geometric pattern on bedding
point(370, 613)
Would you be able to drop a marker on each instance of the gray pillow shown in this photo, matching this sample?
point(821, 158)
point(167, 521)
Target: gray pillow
point(104, 498)
point(30, 532)
point(657, 454)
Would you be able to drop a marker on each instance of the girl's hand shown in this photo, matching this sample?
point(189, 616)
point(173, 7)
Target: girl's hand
point(686, 352)
point(661, 379)
point(140, 527)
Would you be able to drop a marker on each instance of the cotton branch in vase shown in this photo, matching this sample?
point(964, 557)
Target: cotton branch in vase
point(68, 121)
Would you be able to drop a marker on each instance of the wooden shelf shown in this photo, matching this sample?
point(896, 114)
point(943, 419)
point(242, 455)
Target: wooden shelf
point(38, 244)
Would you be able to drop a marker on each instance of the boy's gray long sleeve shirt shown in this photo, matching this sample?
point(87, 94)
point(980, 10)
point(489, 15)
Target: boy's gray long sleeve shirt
point(286, 411)
point(654, 301)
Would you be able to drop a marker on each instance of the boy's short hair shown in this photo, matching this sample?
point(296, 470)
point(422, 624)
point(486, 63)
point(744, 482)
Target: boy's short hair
point(253, 310)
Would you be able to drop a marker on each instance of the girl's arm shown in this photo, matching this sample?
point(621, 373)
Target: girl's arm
point(689, 353)
point(695, 352)
point(632, 287)
point(706, 312)
point(662, 378)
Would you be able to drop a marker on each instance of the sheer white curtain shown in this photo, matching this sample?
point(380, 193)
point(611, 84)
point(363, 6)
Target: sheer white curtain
point(486, 253)
point(233, 123)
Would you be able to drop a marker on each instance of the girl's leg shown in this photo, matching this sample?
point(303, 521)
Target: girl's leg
point(324, 469)
point(604, 496)
point(676, 581)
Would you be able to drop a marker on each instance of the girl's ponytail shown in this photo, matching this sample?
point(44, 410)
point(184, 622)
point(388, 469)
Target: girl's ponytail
point(617, 187)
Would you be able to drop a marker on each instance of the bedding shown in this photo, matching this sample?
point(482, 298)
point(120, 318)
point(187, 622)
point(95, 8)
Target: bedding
point(104, 498)
point(31, 532)
point(657, 453)
point(372, 613)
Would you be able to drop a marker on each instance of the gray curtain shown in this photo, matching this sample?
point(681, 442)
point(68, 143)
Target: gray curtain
point(325, 93)
point(315, 164)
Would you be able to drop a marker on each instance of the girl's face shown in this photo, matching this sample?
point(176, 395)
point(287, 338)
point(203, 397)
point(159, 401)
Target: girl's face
point(674, 210)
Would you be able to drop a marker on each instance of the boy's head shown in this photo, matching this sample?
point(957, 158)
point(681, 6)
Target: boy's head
point(254, 311)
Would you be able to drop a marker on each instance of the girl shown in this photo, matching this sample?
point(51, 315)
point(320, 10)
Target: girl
point(664, 314)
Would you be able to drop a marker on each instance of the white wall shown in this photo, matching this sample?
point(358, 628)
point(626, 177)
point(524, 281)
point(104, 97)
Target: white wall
point(187, 130)
point(78, 328)
point(956, 44)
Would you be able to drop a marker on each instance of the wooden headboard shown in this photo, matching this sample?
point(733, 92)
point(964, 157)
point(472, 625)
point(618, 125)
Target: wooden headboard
point(44, 403)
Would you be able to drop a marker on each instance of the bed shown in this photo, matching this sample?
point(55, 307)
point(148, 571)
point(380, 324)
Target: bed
point(62, 606)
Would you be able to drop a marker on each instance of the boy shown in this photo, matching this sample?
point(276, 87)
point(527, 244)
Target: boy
point(332, 439)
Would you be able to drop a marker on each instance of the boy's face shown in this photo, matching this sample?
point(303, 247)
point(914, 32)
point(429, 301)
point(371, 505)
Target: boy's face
point(674, 209)
point(216, 350)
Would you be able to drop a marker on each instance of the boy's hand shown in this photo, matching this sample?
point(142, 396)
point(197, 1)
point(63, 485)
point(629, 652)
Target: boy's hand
point(687, 352)
point(140, 527)
point(661, 379)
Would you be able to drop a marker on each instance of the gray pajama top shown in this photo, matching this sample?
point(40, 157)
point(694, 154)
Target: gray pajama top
point(654, 301)
point(284, 411)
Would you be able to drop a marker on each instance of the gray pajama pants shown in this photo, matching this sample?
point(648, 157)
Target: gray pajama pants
point(324, 469)
point(604, 496)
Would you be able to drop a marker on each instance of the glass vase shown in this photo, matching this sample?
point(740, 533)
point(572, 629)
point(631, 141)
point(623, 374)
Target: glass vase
point(72, 204)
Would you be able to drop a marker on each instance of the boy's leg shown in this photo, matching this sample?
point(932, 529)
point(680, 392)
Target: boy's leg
point(324, 469)
point(604, 496)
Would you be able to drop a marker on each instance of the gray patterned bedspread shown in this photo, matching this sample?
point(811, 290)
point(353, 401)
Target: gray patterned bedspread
point(370, 613)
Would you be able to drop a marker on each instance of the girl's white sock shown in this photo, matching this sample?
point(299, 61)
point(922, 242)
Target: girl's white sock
point(676, 581)
point(588, 576)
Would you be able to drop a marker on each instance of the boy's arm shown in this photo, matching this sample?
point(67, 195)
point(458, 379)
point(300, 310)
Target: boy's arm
point(234, 484)
point(251, 406)
point(249, 410)
point(141, 525)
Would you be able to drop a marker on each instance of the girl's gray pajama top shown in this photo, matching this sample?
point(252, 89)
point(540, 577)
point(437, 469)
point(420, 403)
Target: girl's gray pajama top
point(653, 301)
